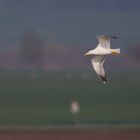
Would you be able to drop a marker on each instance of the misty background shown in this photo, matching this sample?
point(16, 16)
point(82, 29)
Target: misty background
point(54, 34)
point(43, 69)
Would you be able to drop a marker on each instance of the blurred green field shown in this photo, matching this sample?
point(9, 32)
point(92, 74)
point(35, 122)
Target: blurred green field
point(45, 99)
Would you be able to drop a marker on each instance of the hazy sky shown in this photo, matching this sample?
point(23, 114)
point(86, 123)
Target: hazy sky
point(70, 24)
point(69, 21)
point(100, 5)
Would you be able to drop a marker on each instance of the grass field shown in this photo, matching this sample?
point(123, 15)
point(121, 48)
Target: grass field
point(45, 100)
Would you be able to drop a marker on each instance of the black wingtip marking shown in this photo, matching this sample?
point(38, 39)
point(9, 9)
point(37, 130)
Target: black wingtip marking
point(114, 37)
point(103, 78)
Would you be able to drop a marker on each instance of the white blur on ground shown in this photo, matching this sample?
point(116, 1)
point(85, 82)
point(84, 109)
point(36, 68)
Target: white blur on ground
point(74, 107)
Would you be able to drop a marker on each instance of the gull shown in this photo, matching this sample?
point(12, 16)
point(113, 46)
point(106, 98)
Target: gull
point(100, 53)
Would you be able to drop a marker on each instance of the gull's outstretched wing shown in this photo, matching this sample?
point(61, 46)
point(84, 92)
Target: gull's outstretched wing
point(104, 40)
point(97, 63)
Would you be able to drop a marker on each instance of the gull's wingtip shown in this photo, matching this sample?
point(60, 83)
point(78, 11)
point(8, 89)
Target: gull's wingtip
point(110, 36)
point(103, 79)
point(114, 37)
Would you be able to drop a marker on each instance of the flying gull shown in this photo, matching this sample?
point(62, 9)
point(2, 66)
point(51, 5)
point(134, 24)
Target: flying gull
point(100, 53)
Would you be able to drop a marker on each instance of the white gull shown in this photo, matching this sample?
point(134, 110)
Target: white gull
point(100, 53)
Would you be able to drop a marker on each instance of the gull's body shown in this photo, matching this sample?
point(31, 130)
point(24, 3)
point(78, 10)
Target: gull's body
point(100, 53)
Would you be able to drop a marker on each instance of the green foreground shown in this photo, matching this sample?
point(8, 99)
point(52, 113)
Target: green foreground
point(46, 100)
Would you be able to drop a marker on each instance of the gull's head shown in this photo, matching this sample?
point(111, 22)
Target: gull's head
point(115, 51)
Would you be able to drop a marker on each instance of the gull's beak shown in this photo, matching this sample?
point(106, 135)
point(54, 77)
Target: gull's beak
point(114, 53)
